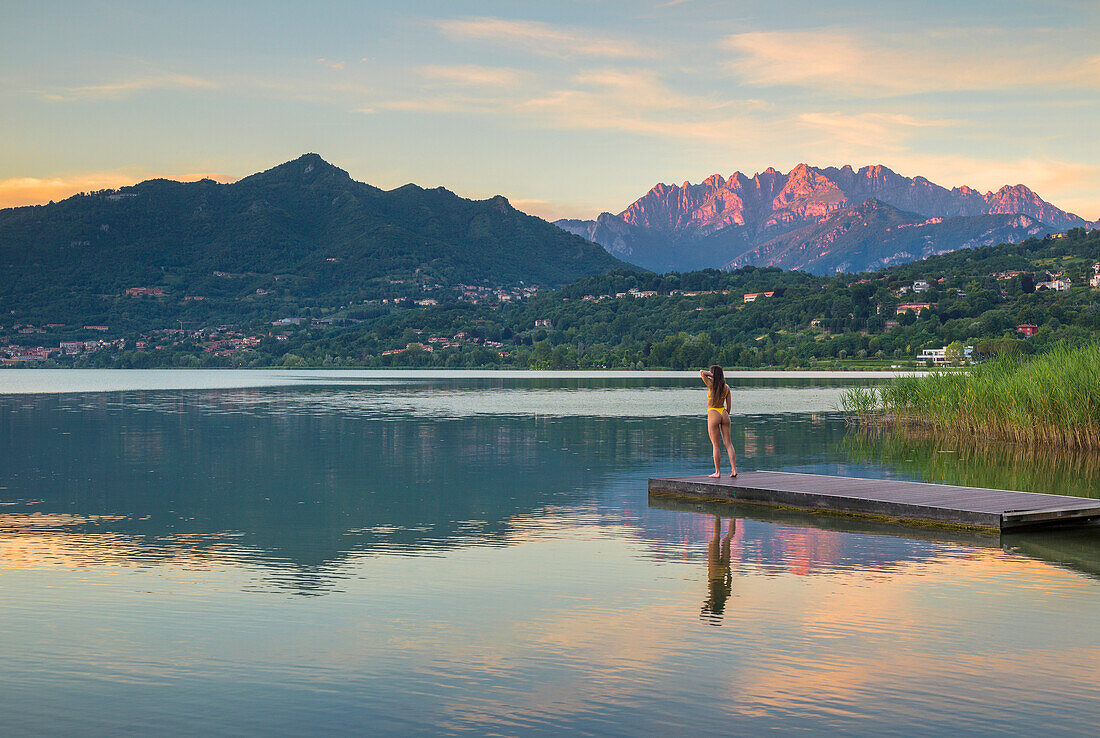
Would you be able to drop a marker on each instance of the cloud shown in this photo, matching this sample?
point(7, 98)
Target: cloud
point(638, 101)
point(628, 100)
point(472, 75)
point(1071, 185)
point(448, 104)
point(636, 88)
point(332, 64)
point(128, 87)
point(868, 129)
point(18, 191)
point(803, 58)
point(958, 60)
point(552, 211)
point(541, 38)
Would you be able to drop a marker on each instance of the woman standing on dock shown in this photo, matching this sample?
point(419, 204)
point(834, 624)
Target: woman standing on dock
point(718, 417)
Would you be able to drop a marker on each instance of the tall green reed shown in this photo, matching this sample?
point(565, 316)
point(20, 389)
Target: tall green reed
point(1053, 398)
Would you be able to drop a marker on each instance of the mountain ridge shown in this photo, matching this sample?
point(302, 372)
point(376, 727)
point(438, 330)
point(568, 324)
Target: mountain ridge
point(302, 231)
point(690, 226)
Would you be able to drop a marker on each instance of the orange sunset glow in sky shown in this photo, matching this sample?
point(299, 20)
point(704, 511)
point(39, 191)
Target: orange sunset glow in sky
point(566, 108)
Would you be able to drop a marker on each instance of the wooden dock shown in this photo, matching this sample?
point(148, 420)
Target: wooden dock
point(945, 504)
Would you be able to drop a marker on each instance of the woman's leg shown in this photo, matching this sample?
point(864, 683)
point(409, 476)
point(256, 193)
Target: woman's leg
point(725, 428)
point(714, 429)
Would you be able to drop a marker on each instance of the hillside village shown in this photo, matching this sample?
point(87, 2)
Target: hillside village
point(769, 315)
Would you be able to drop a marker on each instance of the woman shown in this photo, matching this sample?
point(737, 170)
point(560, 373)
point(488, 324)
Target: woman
point(718, 417)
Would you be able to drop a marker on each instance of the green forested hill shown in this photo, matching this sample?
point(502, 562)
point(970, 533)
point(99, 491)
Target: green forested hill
point(303, 233)
point(619, 318)
point(696, 318)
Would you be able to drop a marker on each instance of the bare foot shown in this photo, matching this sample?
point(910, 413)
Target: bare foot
point(715, 475)
point(733, 474)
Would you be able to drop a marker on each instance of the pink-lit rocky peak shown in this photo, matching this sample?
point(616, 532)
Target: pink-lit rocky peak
point(812, 193)
point(738, 219)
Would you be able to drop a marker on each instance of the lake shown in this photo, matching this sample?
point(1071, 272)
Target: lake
point(235, 552)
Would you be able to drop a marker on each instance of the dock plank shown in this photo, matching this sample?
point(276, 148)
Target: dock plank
point(919, 501)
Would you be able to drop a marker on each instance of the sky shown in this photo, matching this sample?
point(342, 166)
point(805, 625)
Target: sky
point(568, 108)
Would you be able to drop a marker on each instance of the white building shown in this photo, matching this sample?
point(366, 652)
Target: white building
point(932, 356)
point(938, 356)
point(920, 286)
point(1057, 285)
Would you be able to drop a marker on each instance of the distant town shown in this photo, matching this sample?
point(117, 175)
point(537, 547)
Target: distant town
point(951, 309)
point(25, 344)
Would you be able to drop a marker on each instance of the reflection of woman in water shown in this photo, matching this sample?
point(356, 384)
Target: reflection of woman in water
point(719, 576)
point(718, 417)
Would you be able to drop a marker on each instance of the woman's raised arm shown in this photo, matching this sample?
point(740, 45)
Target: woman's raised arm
point(706, 375)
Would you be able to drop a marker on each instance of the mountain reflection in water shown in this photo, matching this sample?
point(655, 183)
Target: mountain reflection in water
point(298, 483)
point(491, 563)
point(237, 475)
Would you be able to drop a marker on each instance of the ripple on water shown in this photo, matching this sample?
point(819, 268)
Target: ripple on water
point(283, 560)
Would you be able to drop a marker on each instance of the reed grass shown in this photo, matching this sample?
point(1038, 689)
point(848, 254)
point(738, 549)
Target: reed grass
point(1028, 468)
point(1051, 399)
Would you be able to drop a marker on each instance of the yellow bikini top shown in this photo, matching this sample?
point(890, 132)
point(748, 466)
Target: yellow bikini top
point(724, 396)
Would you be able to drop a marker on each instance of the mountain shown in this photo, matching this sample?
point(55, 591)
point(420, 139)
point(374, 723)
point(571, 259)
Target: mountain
point(734, 221)
point(874, 235)
point(304, 229)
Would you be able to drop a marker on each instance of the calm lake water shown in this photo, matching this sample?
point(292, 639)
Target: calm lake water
point(393, 552)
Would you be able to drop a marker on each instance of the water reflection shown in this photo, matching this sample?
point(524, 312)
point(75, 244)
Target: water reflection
point(777, 540)
point(719, 573)
point(496, 572)
point(994, 466)
point(288, 479)
point(1076, 548)
point(298, 485)
point(52, 381)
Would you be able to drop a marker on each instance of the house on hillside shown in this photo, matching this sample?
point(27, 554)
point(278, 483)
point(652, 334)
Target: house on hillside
point(1027, 329)
point(920, 286)
point(1055, 285)
point(915, 307)
point(751, 297)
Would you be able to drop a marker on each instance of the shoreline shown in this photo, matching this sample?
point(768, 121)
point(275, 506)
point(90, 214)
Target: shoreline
point(66, 381)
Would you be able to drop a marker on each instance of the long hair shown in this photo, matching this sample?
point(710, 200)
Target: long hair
point(717, 386)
